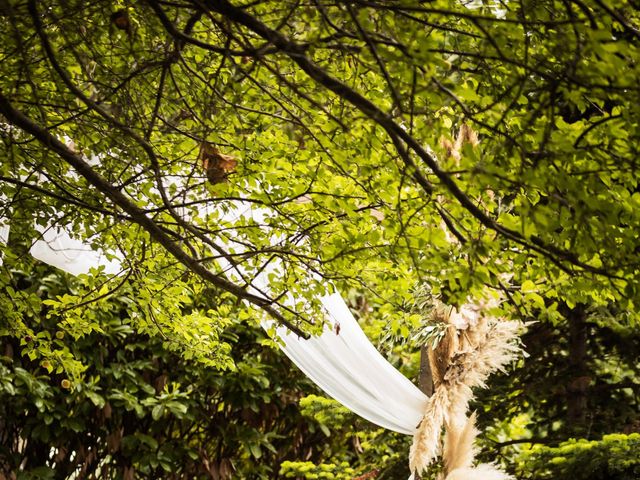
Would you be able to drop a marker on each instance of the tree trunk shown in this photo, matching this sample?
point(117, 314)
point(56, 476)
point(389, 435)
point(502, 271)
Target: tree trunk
point(425, 377)
point(579, 378)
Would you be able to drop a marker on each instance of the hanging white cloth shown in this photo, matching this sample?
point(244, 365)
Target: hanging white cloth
point(350, 369)
point(56, 247)
point(4, 224)
point(4, 236)
point(341, 361)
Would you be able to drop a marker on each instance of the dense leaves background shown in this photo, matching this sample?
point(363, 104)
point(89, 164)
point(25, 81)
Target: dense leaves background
point(139, 125)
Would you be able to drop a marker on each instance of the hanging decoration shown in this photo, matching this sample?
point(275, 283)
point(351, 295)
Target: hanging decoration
point(473, 346)
point(342, 361)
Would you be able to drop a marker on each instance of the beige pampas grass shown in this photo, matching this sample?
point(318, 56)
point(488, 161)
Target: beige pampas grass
point(462, 360)
point(459, 453)
point(458, 449)
point(426, 440)
point(440, 355)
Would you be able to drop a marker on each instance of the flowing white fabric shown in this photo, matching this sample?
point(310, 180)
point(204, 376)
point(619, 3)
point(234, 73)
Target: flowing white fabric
point(350, 369)
point(4, 236)
point(341, 361)
point(57, 248)
point(4, 223)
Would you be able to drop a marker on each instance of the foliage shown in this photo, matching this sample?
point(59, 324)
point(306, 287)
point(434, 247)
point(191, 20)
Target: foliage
point(167, 305)
point(308, 470)
point(326, 412)
point(139, 409)
point(348, 128)
point(352, 447)
point(612, 457)
point(541, 387)
point(464, 145)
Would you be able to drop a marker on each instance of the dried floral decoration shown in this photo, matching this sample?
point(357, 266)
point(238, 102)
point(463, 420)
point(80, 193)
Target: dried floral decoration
point(216, 165)
point(465, 135)
point(474, 346)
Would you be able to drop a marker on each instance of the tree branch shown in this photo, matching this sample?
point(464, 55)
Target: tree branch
point(297, 53)
point(17, 118)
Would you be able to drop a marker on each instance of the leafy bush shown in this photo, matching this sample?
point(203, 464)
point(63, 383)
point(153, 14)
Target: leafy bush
point(327, 412)
point(117, 402)
point(615, 457)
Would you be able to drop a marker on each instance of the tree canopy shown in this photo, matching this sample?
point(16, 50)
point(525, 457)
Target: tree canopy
point(342, 119)
point(469, 146)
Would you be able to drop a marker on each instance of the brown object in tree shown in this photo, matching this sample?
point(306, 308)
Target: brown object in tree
point(217, 165)
point(466, 134)
point(120, 19)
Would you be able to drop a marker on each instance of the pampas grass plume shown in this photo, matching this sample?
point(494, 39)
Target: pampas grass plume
point(462, 361)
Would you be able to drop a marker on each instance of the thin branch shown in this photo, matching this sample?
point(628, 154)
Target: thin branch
point(17, 118)
point(65, 199)
point(374, 52)
point(297, 54)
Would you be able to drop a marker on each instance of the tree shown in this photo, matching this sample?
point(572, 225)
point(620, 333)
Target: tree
point(336, 106)
point(356, 126)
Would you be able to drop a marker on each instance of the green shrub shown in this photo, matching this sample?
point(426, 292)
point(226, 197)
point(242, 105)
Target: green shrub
point(615, 457)
point(308, 470)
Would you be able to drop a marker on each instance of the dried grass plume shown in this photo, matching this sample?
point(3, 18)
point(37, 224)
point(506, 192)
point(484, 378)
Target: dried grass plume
point(462, 360)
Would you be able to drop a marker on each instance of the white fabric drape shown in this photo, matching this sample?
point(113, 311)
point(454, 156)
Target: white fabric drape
point(4, 236)
point(57, 248)
point(341, 361)
point(4, 223)
point(350, 369)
